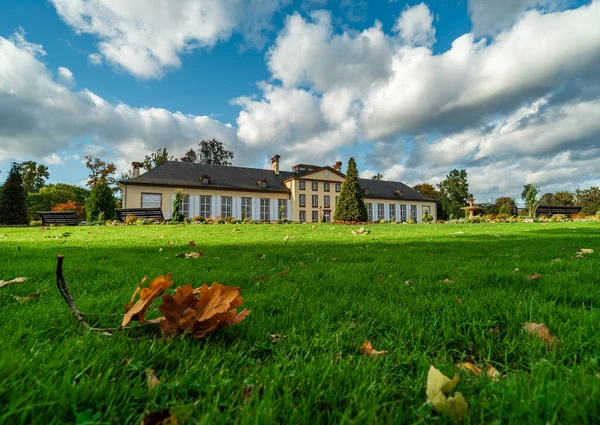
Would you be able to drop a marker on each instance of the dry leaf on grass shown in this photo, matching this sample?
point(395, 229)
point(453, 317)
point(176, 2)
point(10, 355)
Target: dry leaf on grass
point(516, 269)
point(275, 338)
point(366, 349)
point(151, 378)
point(409, 283)
point(261, 256)
point(586, 251)
point(192, 243)
point(446, 281)
point(202, 310)
point(556, 260)
point(459, 300)
point(438, 387)
point(542, 332)
point(362, 230)
point(147, 295)
point(516, 256)
point(30, 297)
point(534, 277)
point(161, 417)
point(12, 281)
point(491, 371)
point(197, 254)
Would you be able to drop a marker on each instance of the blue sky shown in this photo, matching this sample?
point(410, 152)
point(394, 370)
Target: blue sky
point(410, 89)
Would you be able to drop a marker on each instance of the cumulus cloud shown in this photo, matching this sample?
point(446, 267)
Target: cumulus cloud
point(148, 37)
point(415, 26)
point(65, 76)
point(42, 116)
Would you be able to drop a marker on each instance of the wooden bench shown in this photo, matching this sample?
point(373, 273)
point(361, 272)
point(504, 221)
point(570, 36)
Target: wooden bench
point(550, 210)
point(64, 218)
point(145, 213)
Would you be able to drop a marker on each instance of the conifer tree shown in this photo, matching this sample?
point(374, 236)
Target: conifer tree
point(101, 203)
point(13, 202)
point(351, 205)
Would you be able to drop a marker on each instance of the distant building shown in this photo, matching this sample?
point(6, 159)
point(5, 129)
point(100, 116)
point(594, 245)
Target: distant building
point(307, 193)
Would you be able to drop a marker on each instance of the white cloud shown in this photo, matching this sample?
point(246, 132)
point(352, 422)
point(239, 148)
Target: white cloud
point(65, 76)
point(415, 26)
point(148, 37)
point(41, 116)
point(95, 58)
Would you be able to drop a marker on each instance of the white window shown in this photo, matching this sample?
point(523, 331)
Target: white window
point(315, 216)
point(302, 216)
point(369, 212)
point(315, 200)
point(315, 185)
point(327, 216)
point(205, 180)
point(413, 212)
point(426, 209)
point(302, 200)
point(338, 187)
point(282, 208)
point(326, 187)
point(226, 206)
point(326, 201)
point(392, 212)
point(151, 200)
point(302, 185)
point(380, 211)
point(402, 212)
point(205, 204)
point(247, 207)
point(185, 206)
point(264, 209)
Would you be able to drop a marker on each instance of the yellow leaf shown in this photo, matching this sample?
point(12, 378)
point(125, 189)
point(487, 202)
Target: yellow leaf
point(151, 378)
point(470, 367)
point(438, 387)
point(10, 282)
point(542, 331)
point(366, 349)
point(586, 251)
point(147, 295)
point(492, 373)
point(534, 277)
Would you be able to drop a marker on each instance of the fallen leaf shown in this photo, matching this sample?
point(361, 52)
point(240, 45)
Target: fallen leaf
point(192, 243)
point(586, 251)
point(493, 374)
point(287, 237)
point(147, 295)
point(446, 281)
point(237, 229)
point(542, 332)
point(516, 269)
point(314, 227)
point(160, 250)
point(409, 283)
point(275, 338)
point(366, 349)
point(556, 260)
point(362, 230)
point(135, 293)
point(161, 417)
point(516, 256)
point(381, 277)
point(459, 300)
point(534, 277)
point(30, 297)
point(202, 310)
point(470, 367)
point(170, 243)
point(495, 331)
point(12, 281)
point(197, 254)
point(261, 256)
point(438, 387)
point(151, 378)
point(335, 259)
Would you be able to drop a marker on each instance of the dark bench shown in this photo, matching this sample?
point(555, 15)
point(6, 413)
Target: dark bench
point(65, 218)
point(146, 213)
point(550, 210)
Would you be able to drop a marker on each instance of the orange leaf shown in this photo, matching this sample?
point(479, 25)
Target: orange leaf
point(468, 366)
point(147, 296)
point(191, 243)
point(492, 373)
point(542, 332)
point(366, 349)
point(534, 277)
point(135, 293)
point(151, 378)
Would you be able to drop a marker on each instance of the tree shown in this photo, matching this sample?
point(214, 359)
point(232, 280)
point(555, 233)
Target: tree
point(101, 203)
point(34, 176)
point(427, 189)
point(71, 206)
point(156, 158)
point(564, 198)
point(526, 188)
point(13, 204)
point(589, 200)
point(454, 192)
point(100, 171)
point(214, 152)
point(377, 177)
point(506, 205)
point(178, 199)
point(189, 156)
point(531, 198)
point(52, 195)
point(547, 199)
point(351, 205)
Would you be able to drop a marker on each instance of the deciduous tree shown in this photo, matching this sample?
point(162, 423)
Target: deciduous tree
point(101, 203)
point(589, 200)
point(100, 171)
point(34, 175)
point(156, 158)
point(214, 152)
point(351, 205)
point(454, 192)
point(189, 156)
point(506, 204)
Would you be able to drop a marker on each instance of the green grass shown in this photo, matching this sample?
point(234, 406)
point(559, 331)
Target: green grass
point(340, 289)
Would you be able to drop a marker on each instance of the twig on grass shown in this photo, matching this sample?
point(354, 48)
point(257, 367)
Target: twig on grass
point(569, 247)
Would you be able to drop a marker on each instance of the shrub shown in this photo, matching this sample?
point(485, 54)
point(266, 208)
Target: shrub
point(178, 216)
point(558, 217)
point(247, 220)
point(502, 217)
point(382, 221)
point(71, 206)
point(476, 219)
point(427, 218)
point(13, 200)
point(101, 203)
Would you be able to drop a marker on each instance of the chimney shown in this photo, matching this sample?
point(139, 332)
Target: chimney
point(275, 164)
point(338, 166)
point(136, 168)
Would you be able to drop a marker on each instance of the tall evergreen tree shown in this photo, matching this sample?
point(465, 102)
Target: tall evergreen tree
point(13, 203)
point(351, 205)
point(101, 203)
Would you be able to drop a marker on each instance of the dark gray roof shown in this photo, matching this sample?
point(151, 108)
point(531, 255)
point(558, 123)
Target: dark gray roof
point(186, 174)
point(386, 189)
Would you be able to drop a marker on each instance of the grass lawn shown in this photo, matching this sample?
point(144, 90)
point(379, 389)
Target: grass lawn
point(339, 290)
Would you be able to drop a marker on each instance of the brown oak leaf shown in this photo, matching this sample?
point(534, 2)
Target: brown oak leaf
point(366, 349)
point(542, 331)
point(534, 277)
point(147, 296)
point(202, 310)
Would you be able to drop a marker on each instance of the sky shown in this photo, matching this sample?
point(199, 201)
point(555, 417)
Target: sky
point(508, 90)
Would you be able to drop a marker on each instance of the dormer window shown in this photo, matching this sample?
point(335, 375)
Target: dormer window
point(398, 192)
point(366, 190)
point(262, 184)
point(205, 180)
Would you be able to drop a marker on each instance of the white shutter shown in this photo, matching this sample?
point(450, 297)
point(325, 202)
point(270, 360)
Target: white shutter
point(418, 216)
point(169, 213)
point(273, 209)
point(256, 209)
point(214, 207)
point(289, 209)
point(386, 211)
point(237, 207)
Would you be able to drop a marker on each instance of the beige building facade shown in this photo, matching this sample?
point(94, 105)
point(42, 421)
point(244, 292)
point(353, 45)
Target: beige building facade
point(308, 193)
